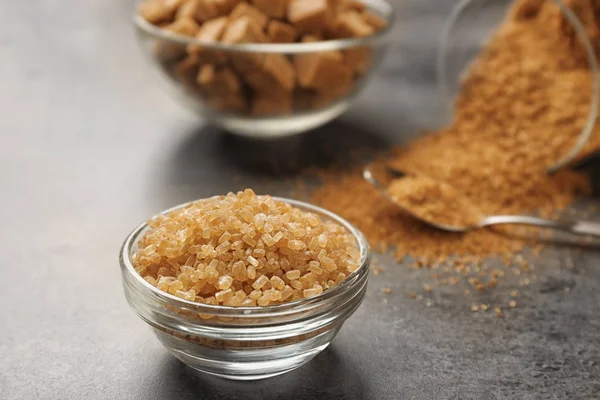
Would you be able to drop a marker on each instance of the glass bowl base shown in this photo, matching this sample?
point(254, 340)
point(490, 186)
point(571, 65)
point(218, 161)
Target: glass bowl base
point(246, 364)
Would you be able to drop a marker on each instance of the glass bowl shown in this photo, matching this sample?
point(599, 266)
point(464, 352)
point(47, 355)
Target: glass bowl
point(246, 343)
point(248, 101)
point(470, 25)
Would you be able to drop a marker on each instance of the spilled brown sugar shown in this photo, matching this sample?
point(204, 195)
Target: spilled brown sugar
point(433, 201)
point(521, 107)
point(244, 250)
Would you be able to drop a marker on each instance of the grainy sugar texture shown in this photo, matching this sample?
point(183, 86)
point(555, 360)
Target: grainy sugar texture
point(521, 108)
point(434, 201)
point(244, 250)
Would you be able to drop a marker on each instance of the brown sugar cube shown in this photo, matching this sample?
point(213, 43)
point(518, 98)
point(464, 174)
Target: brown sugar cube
point(306, 68)
point(245, 63)
point(281, 70)
point(218, 81)
point(159, 11)
point(211, 31)
point(308, 16)
point(246, 10)
point(342, 83)
point(206, 10)
point(184, 26)
point(275, 78)
point(225, 7)
point(210, 56)
point(322, 72)
point(374, 20)
point(358, 59)
point(167, 52)
point(186, 71)
point(526, 9)
point(353, 5)
point(303, 98)
point(351, 24)
point(268, 105)
point(187, 9)
point(244, 30)
point(234, 102)
point(280, 32)
point(272, 8)
point(322, 99)
point(335, 54)
point(206, 76)
point(264, 84)
point(306, 99)
point(311, 38)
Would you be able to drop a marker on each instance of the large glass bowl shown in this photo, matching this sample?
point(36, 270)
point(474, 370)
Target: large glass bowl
point(246, 343)
point(269, 113)
point(470, 25)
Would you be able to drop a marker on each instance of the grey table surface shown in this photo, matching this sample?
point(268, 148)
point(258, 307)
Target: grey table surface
point(89, 147)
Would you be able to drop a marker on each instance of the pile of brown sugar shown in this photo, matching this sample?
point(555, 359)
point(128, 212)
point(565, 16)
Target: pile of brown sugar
point(433, 201)
point(521, 107)
point(244, 250)
point(263, 83)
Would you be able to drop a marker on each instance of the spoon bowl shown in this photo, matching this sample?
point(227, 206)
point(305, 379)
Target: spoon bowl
point(382, 177)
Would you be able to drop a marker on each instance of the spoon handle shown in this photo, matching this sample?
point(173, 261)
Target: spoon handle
point(574, 226)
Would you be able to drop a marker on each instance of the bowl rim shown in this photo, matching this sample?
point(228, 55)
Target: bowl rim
point(279, 309)
point(382, 7)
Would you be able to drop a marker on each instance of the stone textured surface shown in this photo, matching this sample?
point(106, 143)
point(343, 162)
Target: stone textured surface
point(89, 147)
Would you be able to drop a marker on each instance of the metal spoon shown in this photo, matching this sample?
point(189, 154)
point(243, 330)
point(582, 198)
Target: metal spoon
point(577, 227)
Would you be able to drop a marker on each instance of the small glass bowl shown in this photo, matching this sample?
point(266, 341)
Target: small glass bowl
point(246, 343)
point(246, 101)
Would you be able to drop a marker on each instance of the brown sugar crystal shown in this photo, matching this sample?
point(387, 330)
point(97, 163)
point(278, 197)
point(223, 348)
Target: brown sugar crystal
point(433, 201)
point(244, 249)
point(521, 107)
